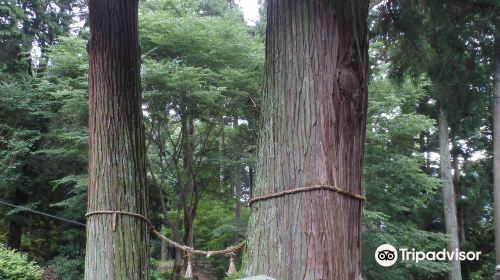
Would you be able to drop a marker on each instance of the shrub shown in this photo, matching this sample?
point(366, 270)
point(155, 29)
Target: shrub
point(67, 268)
point(16, 266)
point(235, 276)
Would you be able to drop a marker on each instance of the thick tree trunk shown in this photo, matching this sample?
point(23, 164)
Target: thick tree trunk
point(117, 165)
point(449, 198)
point(313, 132)
point(496, 142)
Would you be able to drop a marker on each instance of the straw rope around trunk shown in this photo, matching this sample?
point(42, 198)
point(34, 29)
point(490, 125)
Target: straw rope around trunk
point(231, 250)
point(307, 189)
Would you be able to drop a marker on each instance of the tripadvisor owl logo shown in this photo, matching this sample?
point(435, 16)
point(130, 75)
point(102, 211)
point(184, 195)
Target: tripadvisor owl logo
point(387, 255)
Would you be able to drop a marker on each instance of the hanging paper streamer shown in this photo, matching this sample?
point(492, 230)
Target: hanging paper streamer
point(232, 267)
point(189, 269)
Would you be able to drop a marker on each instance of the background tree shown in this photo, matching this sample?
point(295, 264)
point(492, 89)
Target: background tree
point(446, 36)
point(496, 139)
point(200, 80)
point(24, 25)
point(398, 191)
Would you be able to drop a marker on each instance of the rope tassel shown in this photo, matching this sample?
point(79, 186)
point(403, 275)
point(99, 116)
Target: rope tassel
point(189, 269)
point(232, 267)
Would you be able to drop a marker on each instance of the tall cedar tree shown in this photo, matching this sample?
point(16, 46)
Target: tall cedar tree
point(117, 166)
point(496, 139)
point(313, 132)
point(449, 196)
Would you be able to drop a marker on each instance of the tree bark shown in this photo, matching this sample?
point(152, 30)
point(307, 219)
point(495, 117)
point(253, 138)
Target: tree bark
point(177, 269)
point(117, 165)
point(458, 193)
point(313, 132)
point(237, 202)
point(189, 197)
point(250, 181)
point(449, 198)
point(221, 155)
point(163, 250)
point(237, 193)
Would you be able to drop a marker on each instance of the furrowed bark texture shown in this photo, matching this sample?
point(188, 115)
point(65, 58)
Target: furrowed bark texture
point(313, 132)
point(449, 198)
point(117, 176)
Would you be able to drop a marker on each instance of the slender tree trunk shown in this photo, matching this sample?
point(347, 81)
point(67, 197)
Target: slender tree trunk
point(163, 250)
point(237, 202)
point(313, 132)
point(237, 193)
point(496, 142)
point(250, 181)
point(158, 186)
point(188, 194)
point(177, 269)
point(221, 155)
point(458, 193)
point(449, 198)
point(117, 246)
point(14, 236)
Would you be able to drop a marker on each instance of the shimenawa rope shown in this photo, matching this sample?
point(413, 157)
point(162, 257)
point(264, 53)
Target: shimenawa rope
point(307, 189)
point(229, 251)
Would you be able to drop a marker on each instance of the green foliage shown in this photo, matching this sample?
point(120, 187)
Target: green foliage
point(23, 118)
point(16, 266)
point(67, 268)
point(203, 65)
point(154, 273)
point(215, 228)
point(199, 41)
point(43, 153)
point(201, 81)
point(234, 276)
point(397, 187)
point(393, 161)
point(69, 263)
